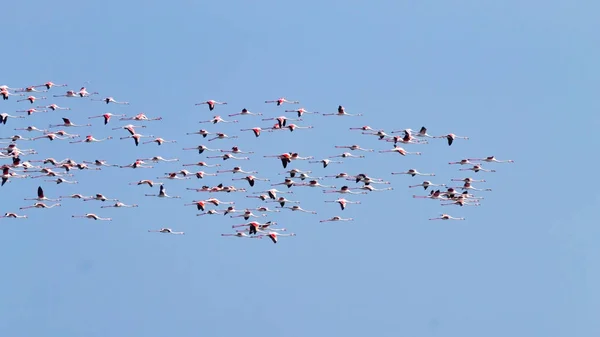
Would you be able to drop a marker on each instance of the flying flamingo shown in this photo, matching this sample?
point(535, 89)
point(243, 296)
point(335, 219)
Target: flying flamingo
point(325, 162)
point(301, 112)
point(107, 116)
point(256, 131)
point(76, 196)
point(341, 111)
point(217, 119)
point(251, 179)
point(119, 204)
point(461, 162)
point(293, 127)
point(162, 194)
point(201, 163)
point(274, 236)
point(413, 172)
point(477, 168)
point(40, 196)
point(272, 193)
point(347, 155)
point(241, 235)
point(432, 195)
point(246, 112)
point(40, 205)
point(13, 215)
point(53, 107)
point(30, 129)
point(446, 217)
point(469, 180)
point(200, 205)
point(130, 128)
point(354, 148)
point(281, 101)
point(211, 104)
point(166, 231)
point(145, 182)
point(492, 159)
point(236, 149)
point(287, 182)
point(173, 176)
point(30, 89)
point(137, 164)
point(344, 190)
point(285, 158)
point(222, 136)
point(31, 99)
point(202, 174)
point(227, 156)
point(297, 208)
point(282, 120)
point(99, 197)
point(4, 117)
point(315, 183)
point(467, 186)
point(201, 132)
point(159, 141)
point(400, 151)
point(90, 139)
point(200, 148)
point(51, 136)
point(110, 100)
point(451, 137)
point(61, 181)
point(293, 172)
point(49, 85)
point(91, 216)
point(30, 112)
point(426, 184)
point(343, 202)
point(157, 159)
point(5, 94)
point(373, 189)
point(368, 180)
point(140, 117)
point(67, 123)
point(461, 202)
point(337, 218)
point(136, 138)
point(99, 162)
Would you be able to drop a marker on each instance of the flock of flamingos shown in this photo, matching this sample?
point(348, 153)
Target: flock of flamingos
point(17, 166)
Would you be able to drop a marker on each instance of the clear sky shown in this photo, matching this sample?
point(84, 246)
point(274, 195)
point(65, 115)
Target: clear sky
point(520, 78)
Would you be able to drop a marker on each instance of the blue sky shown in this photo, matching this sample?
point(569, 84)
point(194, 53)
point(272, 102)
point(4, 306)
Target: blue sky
point(519, 78)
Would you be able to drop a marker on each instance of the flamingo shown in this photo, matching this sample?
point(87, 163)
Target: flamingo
point(451, 137)
point(344, 190)
point(251, 179)
point(282, 120)
point(203, 164)
point(238, 169)
point(287, 182)
point(293, 172)
point(301, 112)
point(492, 159)
point(110, 100)
point(229, 156)
point(51, 136)
point(467, 186)
point(99, 197)
point(218, 119)
point(30, 112)
point(337, 218)
point(159, 141)
point(315, 183)
point(241, 235)
point(91, 139)
point(67, 123)
point(166, 231)
point(400, 151)
point(297, 208)
point(53, 107)
point(40, 205)
point(446, 217)
point(274, 236)
point(461, 162)
point(256, 131)
point(137, 164)
point(99, 162)
point(75, 196)
point(469, 180)
point(119, 204)
point(293, 127)
point(354, 148)
point(373, 189)
point(477, 168)
point(413, 172)
point(346, 155)
point(461, 202)
point(145, 182)
point(341, 111)
point(201, 132)
point(13, 216)
point(162, 194)
point(48, 85)
point(211, 104)
point(5, 94)
point(4, 117)
point(245, 112)
point(140, 117)
point(281, 101)
point(343, 202)
point(157, 159)
point(235, 149)
point(30, 89)
point(136, 138)
point(325, 162)
point(31, 129)
point(173, 176)
point(107, 116)
point(130, 128)
point(426, 185)
point(61, 181)
point(31, 99)
point(91, 216)
point(40, 196)
point(200, 148)
point(222, 136)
